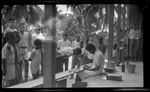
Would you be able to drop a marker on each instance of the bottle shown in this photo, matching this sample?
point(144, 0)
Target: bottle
point(123, 67)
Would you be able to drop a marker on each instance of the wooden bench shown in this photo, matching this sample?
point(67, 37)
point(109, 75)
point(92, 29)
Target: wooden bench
point(39, 81)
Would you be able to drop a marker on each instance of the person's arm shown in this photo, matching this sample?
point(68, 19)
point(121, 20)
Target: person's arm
point(4, 57)
point(31, 56)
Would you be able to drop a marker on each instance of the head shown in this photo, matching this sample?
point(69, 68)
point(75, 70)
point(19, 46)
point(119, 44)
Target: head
point(38, 44)
point(10, 37)
point(12, 23)
point(91, 48)
point(65, 36)
point(77, 51)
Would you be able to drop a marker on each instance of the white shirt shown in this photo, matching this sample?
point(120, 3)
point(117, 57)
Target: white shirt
point(98, 59)
point(24, 40)
point(62, 43)
point(75, 44)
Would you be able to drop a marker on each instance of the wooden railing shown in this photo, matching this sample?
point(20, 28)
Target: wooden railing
point(39, 81)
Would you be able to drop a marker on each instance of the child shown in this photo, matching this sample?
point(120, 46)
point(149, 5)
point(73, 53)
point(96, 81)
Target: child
point(35, 59)
point(8, 57)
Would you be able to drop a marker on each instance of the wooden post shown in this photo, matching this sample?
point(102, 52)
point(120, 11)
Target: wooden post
point(49, 64)
point(118, 31)
point(123, 14)
point(110, 44)
point(49, 56)
point(128, 16)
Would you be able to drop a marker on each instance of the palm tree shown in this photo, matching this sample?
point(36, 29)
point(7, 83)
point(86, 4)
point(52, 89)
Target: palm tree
point(20, 11)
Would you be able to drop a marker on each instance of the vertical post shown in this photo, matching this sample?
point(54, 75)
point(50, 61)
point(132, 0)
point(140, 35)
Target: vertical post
point(128, 16)
point(49, 64)
point(118, 31)
point(123, 14)
point(49, 56)
point(110, 44)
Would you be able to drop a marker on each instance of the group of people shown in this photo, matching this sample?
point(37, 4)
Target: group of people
point(82, 51)
point(17, 51)
point(16, 57)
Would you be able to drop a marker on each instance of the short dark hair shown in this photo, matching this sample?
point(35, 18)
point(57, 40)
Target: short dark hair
point(10, 37)
point(65, 35)
point(77, 51)
point(91, 48)
point(38, 43)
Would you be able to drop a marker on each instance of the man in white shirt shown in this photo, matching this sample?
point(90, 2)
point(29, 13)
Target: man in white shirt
point(98, 58)
point(23, 44)
point(64, 48)
point(64, 42)
point(133, 37)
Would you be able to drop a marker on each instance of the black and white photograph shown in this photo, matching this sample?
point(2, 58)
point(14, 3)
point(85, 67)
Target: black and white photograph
point(72, 46)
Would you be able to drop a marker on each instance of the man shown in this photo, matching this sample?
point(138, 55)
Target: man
point(23, 45)
point(64, 48)
point(35, 59)
point(64, 42)
point(35, 35)
point(98, 58)
point(133, 37)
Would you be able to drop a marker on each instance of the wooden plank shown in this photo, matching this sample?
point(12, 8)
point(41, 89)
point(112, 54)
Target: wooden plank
point(39, 81)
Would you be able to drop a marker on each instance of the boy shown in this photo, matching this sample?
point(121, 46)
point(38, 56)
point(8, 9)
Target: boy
point(35, 59)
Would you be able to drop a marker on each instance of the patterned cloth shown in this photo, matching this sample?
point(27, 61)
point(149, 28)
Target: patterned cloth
point(62, 44)
point(66, 51)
